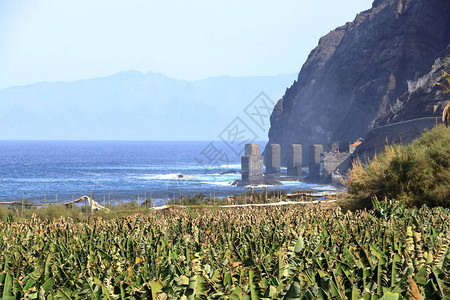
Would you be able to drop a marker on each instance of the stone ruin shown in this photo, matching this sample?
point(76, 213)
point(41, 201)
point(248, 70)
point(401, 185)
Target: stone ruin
point(273, 160)
point(322, 164)
point(252, 165)
point(294, 160)
point(314, 160)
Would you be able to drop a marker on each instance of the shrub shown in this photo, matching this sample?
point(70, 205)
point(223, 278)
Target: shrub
point(6, 213)
point(55, 211)
point(416, 174)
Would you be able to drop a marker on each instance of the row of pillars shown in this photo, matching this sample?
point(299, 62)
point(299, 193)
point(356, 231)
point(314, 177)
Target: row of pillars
point(294, 161)
point(252, 161)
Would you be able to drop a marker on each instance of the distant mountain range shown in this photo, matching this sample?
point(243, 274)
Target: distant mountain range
point(131, 106)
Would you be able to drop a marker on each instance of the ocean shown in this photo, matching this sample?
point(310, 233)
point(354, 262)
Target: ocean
point(59, 171)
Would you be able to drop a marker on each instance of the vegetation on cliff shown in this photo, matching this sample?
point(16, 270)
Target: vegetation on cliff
point(415, 174)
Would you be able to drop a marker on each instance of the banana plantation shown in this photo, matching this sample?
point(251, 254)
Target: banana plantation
point(296, 252)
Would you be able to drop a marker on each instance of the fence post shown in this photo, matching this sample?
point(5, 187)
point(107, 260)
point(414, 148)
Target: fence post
point(90, 202)
point(265, 194)
point(145, 199)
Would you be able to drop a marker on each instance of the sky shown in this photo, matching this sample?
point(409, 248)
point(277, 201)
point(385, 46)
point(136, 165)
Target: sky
point(66, 40)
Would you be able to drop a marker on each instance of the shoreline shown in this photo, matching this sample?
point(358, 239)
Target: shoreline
point(115, 197)
point(282, 196)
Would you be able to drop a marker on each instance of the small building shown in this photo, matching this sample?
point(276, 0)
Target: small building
point(352, 147)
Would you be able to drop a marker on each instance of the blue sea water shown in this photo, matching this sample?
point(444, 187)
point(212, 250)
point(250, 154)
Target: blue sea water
point(58, 171)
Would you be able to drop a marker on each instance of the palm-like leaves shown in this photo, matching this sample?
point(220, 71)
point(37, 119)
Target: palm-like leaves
point(245, 253)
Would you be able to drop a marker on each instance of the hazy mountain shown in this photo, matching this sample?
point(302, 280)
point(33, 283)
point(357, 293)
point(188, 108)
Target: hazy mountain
point(131, 106)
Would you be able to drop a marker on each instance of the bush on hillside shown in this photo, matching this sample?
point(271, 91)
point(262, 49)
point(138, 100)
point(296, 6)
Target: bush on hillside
point(416, 174)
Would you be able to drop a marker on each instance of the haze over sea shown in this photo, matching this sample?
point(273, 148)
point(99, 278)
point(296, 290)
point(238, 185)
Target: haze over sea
point(57, 171)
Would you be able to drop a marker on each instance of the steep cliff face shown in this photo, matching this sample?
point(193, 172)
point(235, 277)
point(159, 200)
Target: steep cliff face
point(358, 71)
point(418, 108)
point(423, 99)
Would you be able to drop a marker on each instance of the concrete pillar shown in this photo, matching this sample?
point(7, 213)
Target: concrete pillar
point(314, 160)
point(252, 150)
point(314, 154)
point(252, 165)
point(294, 160)
point(273, 160)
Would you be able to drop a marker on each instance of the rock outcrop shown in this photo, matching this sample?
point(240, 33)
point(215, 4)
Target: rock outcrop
point(358, 71)
point(418, 108)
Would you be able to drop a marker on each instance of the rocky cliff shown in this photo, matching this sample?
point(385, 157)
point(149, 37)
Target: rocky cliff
point(419, 107)
point(358, 71)
point(423, 97)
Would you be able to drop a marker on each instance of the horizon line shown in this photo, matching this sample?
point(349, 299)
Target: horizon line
point(145, 73)
point(61, 140)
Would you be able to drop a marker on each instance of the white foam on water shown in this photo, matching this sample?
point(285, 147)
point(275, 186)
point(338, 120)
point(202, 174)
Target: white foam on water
point(224, 174)
point(236, 166)
point(291, 183)
point(171, 176)
point(321, 187)
point(221, 183)
point(216, 178)
point(147, 167)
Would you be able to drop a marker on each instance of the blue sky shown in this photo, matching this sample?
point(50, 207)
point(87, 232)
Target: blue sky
point(64, 40)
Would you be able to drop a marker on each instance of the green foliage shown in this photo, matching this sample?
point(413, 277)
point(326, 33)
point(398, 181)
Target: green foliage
point(416, 174)
point(199, 199)
point(5, 213)
point(56, 211)
point(244, 253)
point(278, 193)
point(244, 198)
point(387, 209)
